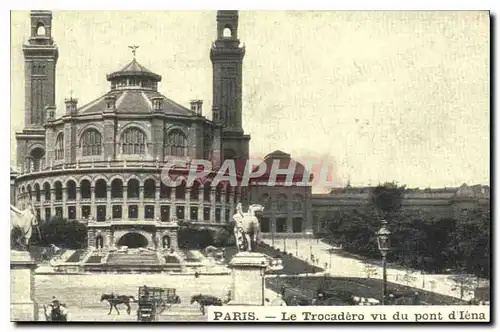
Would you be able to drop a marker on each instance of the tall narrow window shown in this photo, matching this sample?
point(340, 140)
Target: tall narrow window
point(91, 143)
point(175, 144)
point(133, 141)
point(207, 147)
point(59, 150)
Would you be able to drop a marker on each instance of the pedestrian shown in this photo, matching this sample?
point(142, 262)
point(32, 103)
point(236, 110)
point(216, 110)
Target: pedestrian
point(57, 312)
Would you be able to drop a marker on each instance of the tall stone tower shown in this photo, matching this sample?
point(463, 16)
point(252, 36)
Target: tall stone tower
point(227, 55)
point(40, 59)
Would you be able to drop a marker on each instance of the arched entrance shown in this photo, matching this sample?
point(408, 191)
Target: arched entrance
point(133, 240)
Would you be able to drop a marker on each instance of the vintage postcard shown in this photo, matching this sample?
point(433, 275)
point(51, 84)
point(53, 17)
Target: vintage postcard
point(221, 166)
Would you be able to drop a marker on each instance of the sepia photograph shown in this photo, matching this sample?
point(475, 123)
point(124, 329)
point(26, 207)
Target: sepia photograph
point(238, 165)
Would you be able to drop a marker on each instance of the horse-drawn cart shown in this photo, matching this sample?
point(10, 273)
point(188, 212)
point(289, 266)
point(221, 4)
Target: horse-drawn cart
point(152, 301)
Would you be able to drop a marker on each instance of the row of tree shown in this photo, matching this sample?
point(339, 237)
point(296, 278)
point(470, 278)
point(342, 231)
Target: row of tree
point(418, 240)
point(60, 232)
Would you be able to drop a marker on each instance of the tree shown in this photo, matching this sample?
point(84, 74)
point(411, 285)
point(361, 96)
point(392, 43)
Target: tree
point(61, 232)
point(470, 245)
point(465, 283)
point(419, 239)
point(194, 238)
point(387, 198)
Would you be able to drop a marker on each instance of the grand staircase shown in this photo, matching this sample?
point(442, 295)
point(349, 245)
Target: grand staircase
point(135, 259)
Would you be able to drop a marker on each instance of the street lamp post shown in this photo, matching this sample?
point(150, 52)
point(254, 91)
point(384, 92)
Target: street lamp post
point(296, 248)
point(384, 245)
point(284, 244)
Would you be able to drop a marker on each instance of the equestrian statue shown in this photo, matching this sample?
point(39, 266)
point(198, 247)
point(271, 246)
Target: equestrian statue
point(247, 228)
point(22, 220)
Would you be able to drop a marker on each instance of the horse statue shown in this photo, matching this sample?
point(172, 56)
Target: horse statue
point(115, 300)
point(24, 220)
point(247, 228)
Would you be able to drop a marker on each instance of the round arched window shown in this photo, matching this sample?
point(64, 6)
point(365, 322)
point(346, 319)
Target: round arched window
point(133, 141)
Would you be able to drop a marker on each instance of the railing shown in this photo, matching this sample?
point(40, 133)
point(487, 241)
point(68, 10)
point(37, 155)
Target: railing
point(180, 163)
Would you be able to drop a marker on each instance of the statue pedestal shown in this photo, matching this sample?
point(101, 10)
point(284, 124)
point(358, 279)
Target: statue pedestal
point(22, 290)
point(247, 270)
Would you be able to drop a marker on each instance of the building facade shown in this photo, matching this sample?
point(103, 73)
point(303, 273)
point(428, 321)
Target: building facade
point(438, 203)
point(102, 162)
point(287, 203)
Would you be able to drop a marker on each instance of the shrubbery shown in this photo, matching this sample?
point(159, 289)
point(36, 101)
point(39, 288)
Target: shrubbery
point(418, 240)
point(62, 233)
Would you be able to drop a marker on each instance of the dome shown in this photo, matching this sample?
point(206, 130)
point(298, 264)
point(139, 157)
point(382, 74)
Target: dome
point(134, 69)
point(134, 75)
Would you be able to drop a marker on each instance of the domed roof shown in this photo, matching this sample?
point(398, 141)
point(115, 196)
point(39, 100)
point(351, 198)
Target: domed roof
point(134, 68)
point(136, 102)
point(134, 91)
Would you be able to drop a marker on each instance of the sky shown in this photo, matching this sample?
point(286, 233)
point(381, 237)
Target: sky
point(383, 96)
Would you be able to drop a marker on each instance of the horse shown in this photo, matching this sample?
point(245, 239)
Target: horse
point(206, 300)
point(115, 300)
point(23, 220)
point(247, 226)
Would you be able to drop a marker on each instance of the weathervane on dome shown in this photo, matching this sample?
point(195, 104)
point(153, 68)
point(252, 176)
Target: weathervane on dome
point(133, 48)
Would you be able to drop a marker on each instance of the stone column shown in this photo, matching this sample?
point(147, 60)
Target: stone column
point(201, 203)
point(93, 207)
point(273, 224)
point(140, 209)
point(157, 202)
point(109, 206)
point(124, 203)
point(223, 207)
point(52, 199)
point(23, 308)
point(107, 240)
point(158, 242)
point(173, 208)
point(231, 203)
point(187, 210)
point(65, 200)
point(289, 220)
point(42, 196)
point(78, 207)
point(212, 204)
point(247, 284)
point(238, 194)
point(173, 240)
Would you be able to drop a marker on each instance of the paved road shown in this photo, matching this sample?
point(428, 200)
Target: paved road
point(82, 293)
point(351, 267)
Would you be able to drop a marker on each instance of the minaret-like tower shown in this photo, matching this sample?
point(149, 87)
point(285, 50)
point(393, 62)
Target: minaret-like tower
point(227, 61)
point(40, 59)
